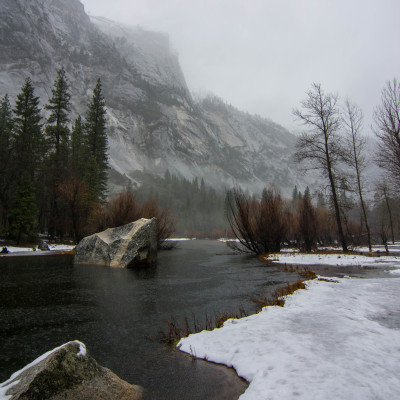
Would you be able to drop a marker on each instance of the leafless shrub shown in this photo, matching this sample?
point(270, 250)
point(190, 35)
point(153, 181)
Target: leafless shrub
point(121, 209)
point(260, 226)
point(124, 208)
point(165, 223)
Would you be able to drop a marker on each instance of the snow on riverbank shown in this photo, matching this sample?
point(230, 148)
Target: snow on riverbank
point(334, 340)
point(52, 247)
point(332, 259)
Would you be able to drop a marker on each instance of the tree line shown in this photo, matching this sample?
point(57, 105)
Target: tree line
point(333, 145)
point(198, 208)
point(53, 177)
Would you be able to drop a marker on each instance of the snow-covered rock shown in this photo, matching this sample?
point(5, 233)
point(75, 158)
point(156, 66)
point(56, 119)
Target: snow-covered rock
point(69, 373)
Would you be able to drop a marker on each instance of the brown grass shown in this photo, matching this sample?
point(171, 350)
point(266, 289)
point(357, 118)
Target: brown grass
point(173, 331)
point(278, 297)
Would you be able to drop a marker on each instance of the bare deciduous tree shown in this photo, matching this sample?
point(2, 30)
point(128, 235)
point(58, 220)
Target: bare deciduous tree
point(321, 145)
point(384, 192)
point(260, 226)
point(387, 129)
point(124, 208)
point(165, 223)
point(355, 144)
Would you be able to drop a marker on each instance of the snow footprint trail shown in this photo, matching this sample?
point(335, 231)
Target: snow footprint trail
point(331, 341)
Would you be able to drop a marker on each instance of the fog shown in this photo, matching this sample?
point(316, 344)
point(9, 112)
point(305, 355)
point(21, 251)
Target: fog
point(263, 55)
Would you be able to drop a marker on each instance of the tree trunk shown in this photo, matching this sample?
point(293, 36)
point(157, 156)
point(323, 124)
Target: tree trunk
point(390, 215)
point(337, 211)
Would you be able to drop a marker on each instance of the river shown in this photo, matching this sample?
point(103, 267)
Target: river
point(46, 301)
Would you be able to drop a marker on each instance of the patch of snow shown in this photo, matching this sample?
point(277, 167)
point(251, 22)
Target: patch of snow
point(61, 247)
point(394, 271)
point(82, 349)
point(331, 259)
point(14, 249)
point(52, 247)
point(328, 342)
point(177, 239)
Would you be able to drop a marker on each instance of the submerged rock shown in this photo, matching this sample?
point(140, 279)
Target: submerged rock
point(68, 373)
point(125, 246)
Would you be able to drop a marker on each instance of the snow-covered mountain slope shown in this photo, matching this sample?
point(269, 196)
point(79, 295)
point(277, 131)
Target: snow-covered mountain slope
point(153, 122)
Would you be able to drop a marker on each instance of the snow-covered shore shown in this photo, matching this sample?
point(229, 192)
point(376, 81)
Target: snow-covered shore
point(334, 340)
point(52, 247)
point(333, 259)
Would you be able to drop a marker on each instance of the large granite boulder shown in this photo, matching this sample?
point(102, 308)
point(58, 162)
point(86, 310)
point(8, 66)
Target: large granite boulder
point(67, 373)
point(125, 246)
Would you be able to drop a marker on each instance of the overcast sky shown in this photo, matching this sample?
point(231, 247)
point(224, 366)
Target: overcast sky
point(263, 55)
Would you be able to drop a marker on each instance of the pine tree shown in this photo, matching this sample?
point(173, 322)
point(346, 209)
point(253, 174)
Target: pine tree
point(57, 130)
point(57, 133)
point(28, 141)
point(28, 145)
point(77, 149)
point(6, 177)
point(96, 141)
point(306, 223)
point(321, 200)
point(295, 195)
point(24, 210)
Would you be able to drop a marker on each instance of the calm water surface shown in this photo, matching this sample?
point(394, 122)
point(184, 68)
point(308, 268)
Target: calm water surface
point(46, 301)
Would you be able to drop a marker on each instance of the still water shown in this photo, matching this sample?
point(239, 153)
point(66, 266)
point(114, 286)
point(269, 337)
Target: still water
point(46, 301)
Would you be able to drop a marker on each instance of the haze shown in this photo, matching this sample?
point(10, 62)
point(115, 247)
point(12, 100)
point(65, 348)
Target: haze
point(262, 55)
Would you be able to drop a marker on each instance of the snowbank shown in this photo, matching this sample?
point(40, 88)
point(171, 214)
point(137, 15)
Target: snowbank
point(335, 340)
point(333, 259)
point(52, 247)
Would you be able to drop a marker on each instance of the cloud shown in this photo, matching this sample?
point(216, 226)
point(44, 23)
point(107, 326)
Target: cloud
point(263, 55)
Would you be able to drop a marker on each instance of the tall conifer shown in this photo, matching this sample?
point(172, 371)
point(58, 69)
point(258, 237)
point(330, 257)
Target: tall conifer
point(57, 133)
point(5, 159)
point(77, 148)
point(59, 106)
point(28, 141)
point(96, 140)
point(28, 146)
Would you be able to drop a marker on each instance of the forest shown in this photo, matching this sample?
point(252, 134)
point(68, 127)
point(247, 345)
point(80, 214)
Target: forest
point(53, 180)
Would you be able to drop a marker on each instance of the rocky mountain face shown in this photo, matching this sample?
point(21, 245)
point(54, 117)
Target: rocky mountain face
point(153, 122)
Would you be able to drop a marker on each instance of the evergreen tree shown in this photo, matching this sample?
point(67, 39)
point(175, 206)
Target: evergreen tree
point(28, 141)
point(306, 223)
point(5, 159)
point(321, 200)
point(295, 195)
point(24, 211)
point(57, 133)
point(57, 130)
point(77, 149)
point(307, 194)
point(96, 141)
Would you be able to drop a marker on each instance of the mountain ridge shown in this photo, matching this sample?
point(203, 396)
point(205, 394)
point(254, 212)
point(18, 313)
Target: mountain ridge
point(153, 122)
